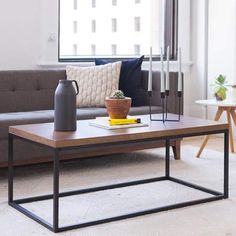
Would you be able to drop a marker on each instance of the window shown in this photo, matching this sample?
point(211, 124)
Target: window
point(113, 49)
point(137, 24)
point(136, 49)
point(113, 25)
point(123, 31)
point(75, 27)
point(93, 25)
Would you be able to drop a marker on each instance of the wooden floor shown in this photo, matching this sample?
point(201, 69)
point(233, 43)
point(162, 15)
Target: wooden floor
point(214, 143)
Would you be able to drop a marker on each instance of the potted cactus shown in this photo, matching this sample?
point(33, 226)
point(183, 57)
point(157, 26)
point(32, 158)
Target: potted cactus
point(220, 88)
point(118, 105)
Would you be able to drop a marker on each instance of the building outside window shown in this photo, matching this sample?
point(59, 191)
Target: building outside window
point(113, 49)
point(114, 25)
point(144, 26)
point(75, 48)
point(75, 5)
point(137, 1)
point(75, 27)
point(136, 49)
point(93, 49)
point(137, 21)
point(93, 3)
point(93, 25)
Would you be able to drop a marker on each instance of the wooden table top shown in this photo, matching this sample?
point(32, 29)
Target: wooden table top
point(86, 134)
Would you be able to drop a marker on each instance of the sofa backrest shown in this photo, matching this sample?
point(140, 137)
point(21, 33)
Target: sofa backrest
point(26, 90)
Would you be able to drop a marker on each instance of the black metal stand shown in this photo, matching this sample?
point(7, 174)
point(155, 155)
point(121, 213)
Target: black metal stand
point(56, 194)
point(164, 105)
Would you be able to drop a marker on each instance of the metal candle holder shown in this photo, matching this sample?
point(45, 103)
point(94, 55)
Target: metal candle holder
point(164, 105)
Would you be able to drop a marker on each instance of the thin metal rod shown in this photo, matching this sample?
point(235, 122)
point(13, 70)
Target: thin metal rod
point(140, 213)
point(226, 164)
point(55, 190)
point(32, 216)
point(150, 108)
point(179, 96)
point(116, 218)
point(150, 105)
point(10, 168)
point(167, 158)
point(163, 110)
point(89, 190)
point(195, 186)
point(164, 105)
point(166, 108)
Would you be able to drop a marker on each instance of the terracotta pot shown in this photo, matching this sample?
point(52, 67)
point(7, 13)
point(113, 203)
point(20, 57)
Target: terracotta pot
point(118, 108)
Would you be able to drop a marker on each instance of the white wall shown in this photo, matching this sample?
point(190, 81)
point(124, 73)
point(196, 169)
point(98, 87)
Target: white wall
point(20, 34)
point(198, 53)
point(222, 44)
point(28, 33)
point(49, 31)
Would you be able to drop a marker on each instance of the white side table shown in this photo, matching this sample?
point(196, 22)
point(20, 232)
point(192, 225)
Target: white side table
point(229, 106)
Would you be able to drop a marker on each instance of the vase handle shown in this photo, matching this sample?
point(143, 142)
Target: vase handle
point(77, 87)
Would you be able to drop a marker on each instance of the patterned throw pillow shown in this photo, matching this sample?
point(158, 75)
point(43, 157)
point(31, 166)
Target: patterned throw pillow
point(95, 83)
point(130, 79)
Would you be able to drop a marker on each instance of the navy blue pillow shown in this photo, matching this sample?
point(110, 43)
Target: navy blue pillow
point(130, 79)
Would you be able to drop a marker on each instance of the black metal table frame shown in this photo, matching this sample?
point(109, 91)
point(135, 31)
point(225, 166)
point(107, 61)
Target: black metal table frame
point(54, 227)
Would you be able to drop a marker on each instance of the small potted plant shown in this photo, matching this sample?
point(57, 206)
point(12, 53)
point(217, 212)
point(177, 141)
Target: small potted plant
point(220, 88)
point(118, 105)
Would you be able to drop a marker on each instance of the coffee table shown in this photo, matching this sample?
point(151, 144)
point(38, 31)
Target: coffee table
point(93, 138)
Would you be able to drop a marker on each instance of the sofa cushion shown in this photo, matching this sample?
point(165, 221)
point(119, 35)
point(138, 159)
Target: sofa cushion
point(28, 90)
point(130, 79)
point(43, 116)
point(95, 83)
point(20, 118)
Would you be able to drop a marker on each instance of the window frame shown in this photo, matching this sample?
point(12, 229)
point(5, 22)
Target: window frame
point(170, 36)
point(171, 23)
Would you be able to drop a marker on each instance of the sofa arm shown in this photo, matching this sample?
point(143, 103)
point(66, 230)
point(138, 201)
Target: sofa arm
point(156, 95)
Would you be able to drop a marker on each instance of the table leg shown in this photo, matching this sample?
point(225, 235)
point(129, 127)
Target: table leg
point(226, 164)
point(10, 168)
point(231, 138)
point(217, 117)
point(55, 190)
point(167, 158)
point(233, 115)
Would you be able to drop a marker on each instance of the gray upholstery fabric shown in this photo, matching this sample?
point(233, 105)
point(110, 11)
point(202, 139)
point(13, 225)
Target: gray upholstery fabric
point(19, 118)
point(28, 90)
point(32, 90)
point(28, 96)
point(43, 116)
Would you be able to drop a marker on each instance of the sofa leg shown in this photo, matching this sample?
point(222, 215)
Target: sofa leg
point(176, 150)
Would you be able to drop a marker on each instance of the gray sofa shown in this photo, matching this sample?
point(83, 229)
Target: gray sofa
point(27, 97)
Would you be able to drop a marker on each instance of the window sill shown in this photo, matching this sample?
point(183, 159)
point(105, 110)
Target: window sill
point(145, 66)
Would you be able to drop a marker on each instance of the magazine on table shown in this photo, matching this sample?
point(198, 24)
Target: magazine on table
point(107, 123)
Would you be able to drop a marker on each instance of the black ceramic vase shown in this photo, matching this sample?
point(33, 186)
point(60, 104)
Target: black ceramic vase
point(65, 106)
